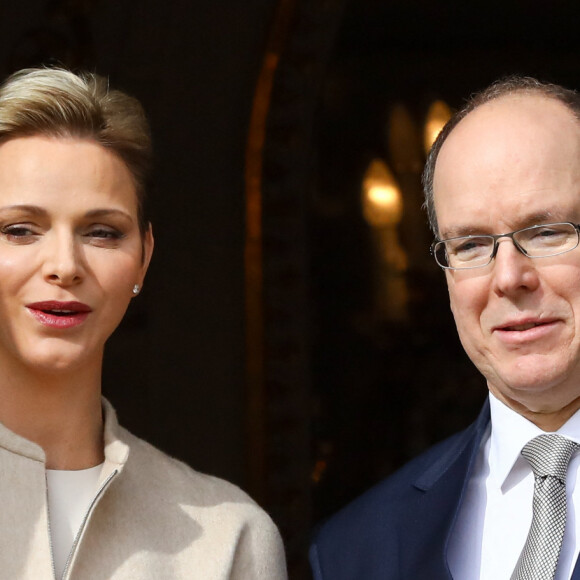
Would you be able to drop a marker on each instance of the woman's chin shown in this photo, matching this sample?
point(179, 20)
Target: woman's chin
point(61, 360)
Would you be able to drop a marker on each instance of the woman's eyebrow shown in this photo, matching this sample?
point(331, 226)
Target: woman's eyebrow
point(105, 212)
point(40, 211)
point(31, 209)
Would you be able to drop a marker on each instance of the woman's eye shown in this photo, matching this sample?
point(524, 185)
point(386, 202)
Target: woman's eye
point(104, 233)
point(18, 232)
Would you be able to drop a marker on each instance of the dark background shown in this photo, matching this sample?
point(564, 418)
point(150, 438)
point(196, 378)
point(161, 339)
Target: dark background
point(273, 368)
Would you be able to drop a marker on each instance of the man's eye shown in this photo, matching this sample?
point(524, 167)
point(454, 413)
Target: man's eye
point(550, 236)
point(546, 233)
point(468, 246)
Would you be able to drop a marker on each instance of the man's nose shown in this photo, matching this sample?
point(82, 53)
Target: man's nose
point(512, 270)
point(63, 260)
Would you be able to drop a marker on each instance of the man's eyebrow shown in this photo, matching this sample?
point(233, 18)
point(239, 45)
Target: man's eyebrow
point(460, 231)
point(526, 221)
point(541, 217)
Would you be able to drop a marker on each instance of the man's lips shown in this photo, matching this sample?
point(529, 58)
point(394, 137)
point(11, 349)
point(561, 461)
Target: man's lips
point(528, 330)
point(56, 314)
point(524, 324)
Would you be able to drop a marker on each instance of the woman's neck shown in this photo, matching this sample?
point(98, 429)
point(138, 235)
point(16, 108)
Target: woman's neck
point(59, 412)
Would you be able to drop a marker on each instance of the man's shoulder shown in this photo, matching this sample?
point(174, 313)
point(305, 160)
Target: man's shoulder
point(361, 540)
point(391, 495)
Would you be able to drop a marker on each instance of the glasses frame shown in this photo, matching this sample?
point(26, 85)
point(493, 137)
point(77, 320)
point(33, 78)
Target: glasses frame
point(497, 237)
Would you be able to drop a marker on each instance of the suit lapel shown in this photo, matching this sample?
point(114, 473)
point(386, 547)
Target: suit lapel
point(433, 516)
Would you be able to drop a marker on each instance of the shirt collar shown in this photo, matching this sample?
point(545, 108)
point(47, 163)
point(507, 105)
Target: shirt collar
point(510, 431)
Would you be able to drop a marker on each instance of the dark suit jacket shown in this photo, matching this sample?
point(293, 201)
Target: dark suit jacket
point(400, 529)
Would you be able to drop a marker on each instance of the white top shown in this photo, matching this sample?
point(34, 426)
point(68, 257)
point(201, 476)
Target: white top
point(495, 517)
point(69, 496)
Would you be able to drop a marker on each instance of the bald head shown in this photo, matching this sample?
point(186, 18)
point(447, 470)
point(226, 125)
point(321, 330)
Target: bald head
point(515, 87)
point(507, 142)
point(518, 145)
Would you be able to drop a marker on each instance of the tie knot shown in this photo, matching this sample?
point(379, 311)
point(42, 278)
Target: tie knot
point(549, 455)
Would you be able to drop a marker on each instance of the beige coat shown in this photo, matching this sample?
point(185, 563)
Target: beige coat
point(154, 518)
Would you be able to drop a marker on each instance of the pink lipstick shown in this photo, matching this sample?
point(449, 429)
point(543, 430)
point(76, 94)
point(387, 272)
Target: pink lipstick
point(55, 314)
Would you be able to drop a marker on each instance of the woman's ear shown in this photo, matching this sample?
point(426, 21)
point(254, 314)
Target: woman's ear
point(148, 244)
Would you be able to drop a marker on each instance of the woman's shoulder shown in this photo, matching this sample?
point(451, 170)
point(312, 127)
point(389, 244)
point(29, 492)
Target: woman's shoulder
point(158, 488)
point(139, 460)
point(200, 521)
point(158, 473)
point(161, 468)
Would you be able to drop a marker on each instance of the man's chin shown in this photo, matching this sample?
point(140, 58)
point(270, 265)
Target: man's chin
point(536, 392)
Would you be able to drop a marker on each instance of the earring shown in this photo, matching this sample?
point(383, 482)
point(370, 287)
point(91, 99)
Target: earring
point(136, 289)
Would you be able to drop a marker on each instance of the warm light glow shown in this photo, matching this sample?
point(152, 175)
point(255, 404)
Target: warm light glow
point(383, 195)
point(382, 199)
point(439, 113)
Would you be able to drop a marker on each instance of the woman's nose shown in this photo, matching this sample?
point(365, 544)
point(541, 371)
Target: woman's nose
point(62, 260)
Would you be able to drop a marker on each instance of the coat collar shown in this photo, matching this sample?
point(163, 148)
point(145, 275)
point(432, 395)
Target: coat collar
point(464, 450)
point(442, 484)
point(457, 463)
point(115, 449)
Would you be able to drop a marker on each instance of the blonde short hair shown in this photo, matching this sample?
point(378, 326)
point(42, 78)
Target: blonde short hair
point(57, 102)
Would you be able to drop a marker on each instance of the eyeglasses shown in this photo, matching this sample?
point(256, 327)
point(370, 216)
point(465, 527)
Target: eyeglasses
point(541, 241)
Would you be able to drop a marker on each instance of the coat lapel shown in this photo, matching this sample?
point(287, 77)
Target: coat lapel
point(428, 530)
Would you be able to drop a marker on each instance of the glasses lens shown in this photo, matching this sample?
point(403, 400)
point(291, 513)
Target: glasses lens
point(440, 254)
point(547, 240)
point(464, 252)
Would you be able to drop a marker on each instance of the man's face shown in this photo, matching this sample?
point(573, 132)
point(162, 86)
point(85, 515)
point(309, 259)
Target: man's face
point(512, 163)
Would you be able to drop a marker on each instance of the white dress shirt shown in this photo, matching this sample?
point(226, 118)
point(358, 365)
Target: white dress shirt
point(496, 514)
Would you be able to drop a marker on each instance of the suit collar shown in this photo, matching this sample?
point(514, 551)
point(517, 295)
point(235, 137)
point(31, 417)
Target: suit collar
point(452, 470)
point(464, 450)
point(442, 482)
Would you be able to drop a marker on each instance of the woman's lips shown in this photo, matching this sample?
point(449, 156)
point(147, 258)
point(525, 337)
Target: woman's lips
point(55, 314)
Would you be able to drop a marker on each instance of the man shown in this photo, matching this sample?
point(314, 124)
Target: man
point(502, 187)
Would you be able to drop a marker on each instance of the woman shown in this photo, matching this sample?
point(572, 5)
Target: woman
point(80, 497)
